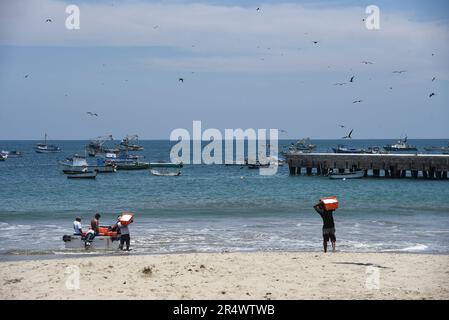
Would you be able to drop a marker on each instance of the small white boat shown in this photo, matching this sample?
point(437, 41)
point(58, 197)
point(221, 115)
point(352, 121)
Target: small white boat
point(82, 175)
point(348, 175)
point(164, 174)
point(99, 242)
point(46, 148)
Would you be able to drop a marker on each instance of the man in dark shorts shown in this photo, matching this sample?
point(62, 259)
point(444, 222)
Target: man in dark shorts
point(328, 225)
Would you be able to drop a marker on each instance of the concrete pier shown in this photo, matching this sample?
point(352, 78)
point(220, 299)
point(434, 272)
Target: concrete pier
point(427, 166)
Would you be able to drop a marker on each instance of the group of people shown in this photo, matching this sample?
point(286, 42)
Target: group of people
point(93, 231)
point(123, 230)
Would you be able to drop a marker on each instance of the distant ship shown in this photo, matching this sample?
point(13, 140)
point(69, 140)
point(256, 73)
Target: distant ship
point(344, 149)
point(433, 148)
point(401, 145)
point(46, 148)
point(302, 145)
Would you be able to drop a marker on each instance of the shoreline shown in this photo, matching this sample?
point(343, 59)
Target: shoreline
point(237, 275)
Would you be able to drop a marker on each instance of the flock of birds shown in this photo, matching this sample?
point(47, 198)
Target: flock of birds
point(315, 42)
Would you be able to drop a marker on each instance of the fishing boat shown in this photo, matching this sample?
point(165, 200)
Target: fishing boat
point(97, 146)
point(164, 174)
point(45, 148)
point(345, 149)
point(258, 165)
point(12, 154)
point(437, 148)
point(348, 175)
point(131, 143)
point(163, 164)
point(302, 145)
point(136, 165)
point(401, 145)
point(83, 175)
point(79, 164)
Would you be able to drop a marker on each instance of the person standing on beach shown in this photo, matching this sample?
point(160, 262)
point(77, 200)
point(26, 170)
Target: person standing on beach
point(328, 225)
point(124, 235)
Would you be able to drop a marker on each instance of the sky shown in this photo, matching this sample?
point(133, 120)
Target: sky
point(242, 68)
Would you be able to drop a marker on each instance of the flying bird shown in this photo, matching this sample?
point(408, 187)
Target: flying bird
point(357, 101)
point(181, 79)
point(92, 114)
point(26, 76)
point(349, 136)
point(48, 20)
point(340, 84)
point(367, 62)
point(342, 126)
point(433, 79)
point(258, 9)
point(431, 95)
point(155, 27)
point(352, 79)
point(315, 42)
point(400, 71)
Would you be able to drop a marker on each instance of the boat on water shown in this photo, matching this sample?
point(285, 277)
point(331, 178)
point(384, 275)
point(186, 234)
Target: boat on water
point(82, 175)
point(3, 157)
point(79, 164)
point(302, 145)
point(438, 148)
point(131, 143)
point(11, 154)
point(258, 165)
point(46, 148)
point(164, 174)
point(98, 146)
point(401, 145)
point(345, 149)
point(136, 165)
point(358, 174)
point(163, 164)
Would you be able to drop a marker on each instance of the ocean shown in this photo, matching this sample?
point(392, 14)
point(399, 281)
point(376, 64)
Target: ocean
point(216, 208)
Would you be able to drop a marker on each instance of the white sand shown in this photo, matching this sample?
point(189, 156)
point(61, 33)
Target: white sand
point(261, 275)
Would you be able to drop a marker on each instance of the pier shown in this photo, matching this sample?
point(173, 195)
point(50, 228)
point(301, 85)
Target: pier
point(427, 166)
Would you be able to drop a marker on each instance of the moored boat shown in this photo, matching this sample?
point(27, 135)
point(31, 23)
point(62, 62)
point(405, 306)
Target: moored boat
point(11, 154)
point(348, 175)
point(46, 148)
point(3, 157)
point(136, 165)
point(164, 174)
point(82, 175)
point(401, 145)
point(345, 149)
point(131, 143)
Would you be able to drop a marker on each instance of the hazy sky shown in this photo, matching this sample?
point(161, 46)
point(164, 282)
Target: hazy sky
point(242, 68)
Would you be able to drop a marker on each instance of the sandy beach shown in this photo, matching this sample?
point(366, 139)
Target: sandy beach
point(259, 275)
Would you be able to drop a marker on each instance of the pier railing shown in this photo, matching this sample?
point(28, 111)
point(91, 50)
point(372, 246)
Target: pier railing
point(430, 166)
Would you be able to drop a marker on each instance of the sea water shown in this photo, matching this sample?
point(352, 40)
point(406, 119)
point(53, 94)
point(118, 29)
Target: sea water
point(216, 208)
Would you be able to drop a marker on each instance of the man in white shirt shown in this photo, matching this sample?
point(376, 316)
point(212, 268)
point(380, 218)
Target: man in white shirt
point(124, 235)
point(77, 227)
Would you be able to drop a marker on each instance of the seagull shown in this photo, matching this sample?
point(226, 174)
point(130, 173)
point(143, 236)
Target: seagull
point(400, 71)
point(431, 95)
point(258, 9)
point(433, 79)
point(340, 84)
point(367, 62)
point(352, 79)
point(48, 20)
point(315, 42)
point(349, 136)
point(181, 80)
point(155, 27)
point(342, 126)
point(92, 114)
point(283, 131)
point(357, 101)
point(27, 75)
